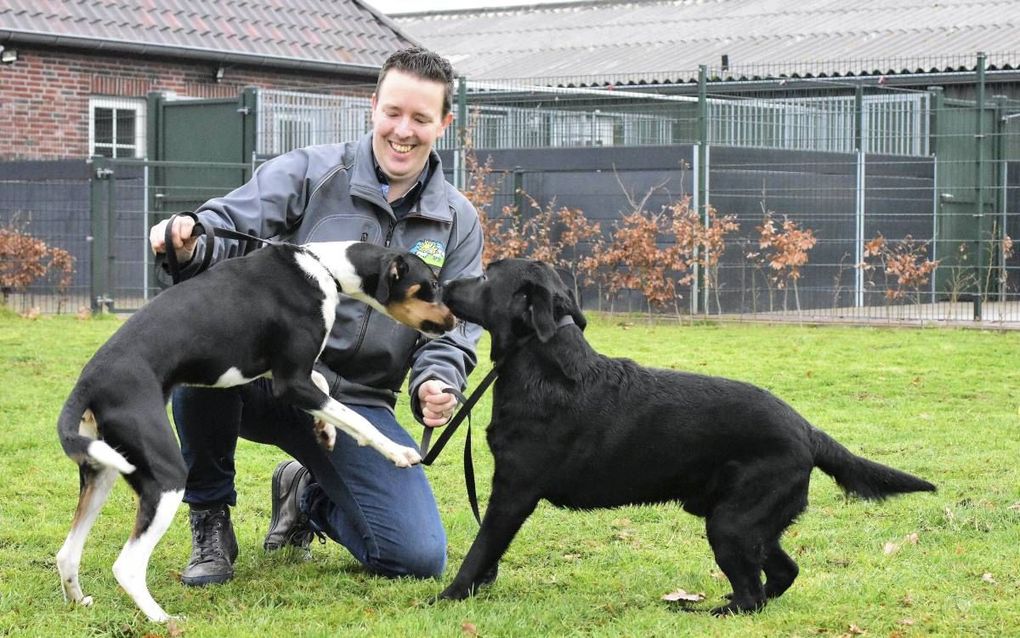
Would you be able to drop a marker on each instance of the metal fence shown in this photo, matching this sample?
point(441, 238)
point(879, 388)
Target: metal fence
point(934, 173)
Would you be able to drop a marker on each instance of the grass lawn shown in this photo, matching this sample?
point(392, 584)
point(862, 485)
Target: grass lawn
point(943, 404)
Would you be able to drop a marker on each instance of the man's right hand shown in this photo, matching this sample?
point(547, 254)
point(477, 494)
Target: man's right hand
point(183, 242)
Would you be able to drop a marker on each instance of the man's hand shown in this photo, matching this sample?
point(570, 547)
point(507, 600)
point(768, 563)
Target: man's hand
point(436, 406)
point(184, 243)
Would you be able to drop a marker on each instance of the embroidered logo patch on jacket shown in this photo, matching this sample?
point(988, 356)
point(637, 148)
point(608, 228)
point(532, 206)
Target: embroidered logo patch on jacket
point(431, 252)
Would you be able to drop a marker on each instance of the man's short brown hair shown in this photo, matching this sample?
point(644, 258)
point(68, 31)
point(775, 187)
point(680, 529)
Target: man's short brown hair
point(424, 64)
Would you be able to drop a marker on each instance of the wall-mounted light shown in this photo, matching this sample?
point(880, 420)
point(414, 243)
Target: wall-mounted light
point(725, 62)
point(218, 75)
point(8, 56)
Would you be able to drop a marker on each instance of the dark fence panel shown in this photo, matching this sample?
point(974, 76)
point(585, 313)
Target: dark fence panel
point(49, 200)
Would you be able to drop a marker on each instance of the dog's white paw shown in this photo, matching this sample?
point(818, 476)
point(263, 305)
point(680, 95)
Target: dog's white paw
point(405, 456)
point(326, 434)
point(85, 601)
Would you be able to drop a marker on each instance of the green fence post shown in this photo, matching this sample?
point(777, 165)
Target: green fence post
point(99, 214)
point(1001, 104)
point(248, 109)
point(936, 104)
point(459, 165)
point(859, 194)
point(979, 213)
point(518, 175)
point(702, 186)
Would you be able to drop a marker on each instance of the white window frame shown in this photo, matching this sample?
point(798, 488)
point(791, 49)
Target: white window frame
point(137, 105)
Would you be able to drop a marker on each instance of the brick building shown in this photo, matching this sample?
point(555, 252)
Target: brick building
point(74, 76)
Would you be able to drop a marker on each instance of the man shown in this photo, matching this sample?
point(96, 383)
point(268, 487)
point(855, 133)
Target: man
point(388, 188)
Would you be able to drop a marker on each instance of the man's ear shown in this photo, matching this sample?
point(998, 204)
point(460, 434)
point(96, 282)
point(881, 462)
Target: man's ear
point(394, 269)
point(540, 306)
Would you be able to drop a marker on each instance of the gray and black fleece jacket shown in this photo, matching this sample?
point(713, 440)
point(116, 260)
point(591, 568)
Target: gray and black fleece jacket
point(331, 193)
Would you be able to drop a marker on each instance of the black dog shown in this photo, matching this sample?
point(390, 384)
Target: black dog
point(583, 431)
point(265, 314)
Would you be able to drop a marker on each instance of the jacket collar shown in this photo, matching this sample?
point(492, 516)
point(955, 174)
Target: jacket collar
point(433, 203)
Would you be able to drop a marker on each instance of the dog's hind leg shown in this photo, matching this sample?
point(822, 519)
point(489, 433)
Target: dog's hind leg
point(780, 571)
point(790, 500)
point(159, 482)
point(731, 536)
point(156, 509)
point(744, 526)
point(95, 486)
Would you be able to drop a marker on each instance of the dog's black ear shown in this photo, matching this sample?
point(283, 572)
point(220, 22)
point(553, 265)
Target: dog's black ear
point(540, 305)
point(394, 269)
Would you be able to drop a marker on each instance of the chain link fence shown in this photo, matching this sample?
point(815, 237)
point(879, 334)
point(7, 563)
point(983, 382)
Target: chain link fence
point(849, 198)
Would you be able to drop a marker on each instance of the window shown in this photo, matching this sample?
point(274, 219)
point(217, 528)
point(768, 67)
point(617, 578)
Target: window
point(117, 127)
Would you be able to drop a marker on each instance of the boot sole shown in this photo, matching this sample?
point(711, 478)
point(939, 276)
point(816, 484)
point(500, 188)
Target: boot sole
point(202, 581)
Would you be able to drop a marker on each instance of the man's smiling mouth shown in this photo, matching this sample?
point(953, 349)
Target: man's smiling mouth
point(401, 148)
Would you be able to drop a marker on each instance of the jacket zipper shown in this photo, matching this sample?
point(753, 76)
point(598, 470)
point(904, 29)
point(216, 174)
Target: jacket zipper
point(368, 315)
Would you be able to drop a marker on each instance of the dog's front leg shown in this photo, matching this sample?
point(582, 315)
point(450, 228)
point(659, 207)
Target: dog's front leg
point(508, 509)
point(301, 391)
point(324, 432)
point(362, 431)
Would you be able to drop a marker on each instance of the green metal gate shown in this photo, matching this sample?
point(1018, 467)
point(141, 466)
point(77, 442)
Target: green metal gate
point(206, 137)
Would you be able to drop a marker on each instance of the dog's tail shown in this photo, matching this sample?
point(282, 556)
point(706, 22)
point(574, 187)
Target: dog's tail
point(78, 434)
point(858, 475)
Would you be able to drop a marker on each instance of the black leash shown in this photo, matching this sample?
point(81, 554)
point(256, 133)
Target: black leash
point(464, 413)
point(211, 232)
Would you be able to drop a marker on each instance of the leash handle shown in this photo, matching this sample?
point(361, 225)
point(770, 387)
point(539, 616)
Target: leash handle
point(171, 255)
point(451, 427)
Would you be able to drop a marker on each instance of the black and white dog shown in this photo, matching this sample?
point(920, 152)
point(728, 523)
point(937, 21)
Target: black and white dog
point(583, 431)
point(267, 314)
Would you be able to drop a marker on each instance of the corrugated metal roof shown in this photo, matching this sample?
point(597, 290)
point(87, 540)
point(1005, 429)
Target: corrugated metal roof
point(323, 34)
point(668, 40)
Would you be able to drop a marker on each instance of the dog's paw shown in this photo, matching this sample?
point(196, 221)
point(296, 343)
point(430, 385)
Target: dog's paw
point(85, 601)
point(326, 434)
point(405, 456)
point(452, 593)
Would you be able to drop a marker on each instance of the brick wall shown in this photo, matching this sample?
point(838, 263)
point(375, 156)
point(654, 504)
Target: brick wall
point(44, 95)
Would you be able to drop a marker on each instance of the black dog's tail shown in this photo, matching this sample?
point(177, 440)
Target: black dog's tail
point(74, 425)
point(858, 475)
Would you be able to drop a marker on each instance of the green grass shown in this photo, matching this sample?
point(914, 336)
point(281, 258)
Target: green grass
point(943, 404)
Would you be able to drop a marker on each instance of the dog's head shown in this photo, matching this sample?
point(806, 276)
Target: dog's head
point(403, 286)
point(516, 298)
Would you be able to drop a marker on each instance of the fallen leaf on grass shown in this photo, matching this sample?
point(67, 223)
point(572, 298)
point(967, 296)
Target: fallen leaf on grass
point(84, 313)
point(173, 630)
point(907, 622)
point(1015, 506)
point(854, 630)
point(469, 629)
point(682, 596)
point(891, 547)
point(988, 578)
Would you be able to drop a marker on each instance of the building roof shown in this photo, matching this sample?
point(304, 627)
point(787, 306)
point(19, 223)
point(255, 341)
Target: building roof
point(327, 35)
point(666, 40)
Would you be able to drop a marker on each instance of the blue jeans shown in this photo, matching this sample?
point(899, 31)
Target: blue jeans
point(384, 515)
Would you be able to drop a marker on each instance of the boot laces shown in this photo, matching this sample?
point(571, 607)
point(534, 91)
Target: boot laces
point(207, 534)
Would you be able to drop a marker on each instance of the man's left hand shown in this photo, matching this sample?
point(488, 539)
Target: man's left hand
point(436, 406)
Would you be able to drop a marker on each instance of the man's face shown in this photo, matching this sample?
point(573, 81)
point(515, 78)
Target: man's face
point(407, 119)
